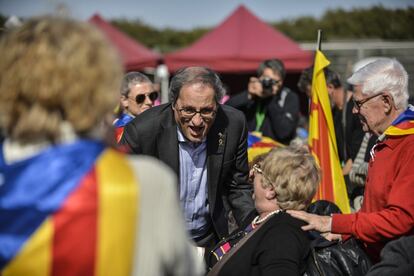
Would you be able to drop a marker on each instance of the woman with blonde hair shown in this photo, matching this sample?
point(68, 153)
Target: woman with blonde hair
point(274, 243)
point(70, 204)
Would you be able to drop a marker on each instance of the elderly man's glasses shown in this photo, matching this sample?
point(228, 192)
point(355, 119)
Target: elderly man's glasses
point(358, 104)
point(205, 113)
point(140, 98)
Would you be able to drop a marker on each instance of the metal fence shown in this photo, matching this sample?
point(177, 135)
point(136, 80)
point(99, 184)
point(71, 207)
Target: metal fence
point(344, 54)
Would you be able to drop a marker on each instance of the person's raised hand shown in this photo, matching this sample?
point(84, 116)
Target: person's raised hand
point(255, 88)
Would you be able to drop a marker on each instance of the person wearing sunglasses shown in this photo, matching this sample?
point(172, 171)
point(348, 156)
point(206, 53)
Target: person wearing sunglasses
point(205, 143)
point(269, 107)
point(137, 95)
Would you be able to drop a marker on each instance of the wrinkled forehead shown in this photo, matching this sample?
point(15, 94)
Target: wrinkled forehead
point(197, 94)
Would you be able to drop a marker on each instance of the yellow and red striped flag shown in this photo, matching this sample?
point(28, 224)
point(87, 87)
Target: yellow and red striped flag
point(81, 221)
point(322, 140)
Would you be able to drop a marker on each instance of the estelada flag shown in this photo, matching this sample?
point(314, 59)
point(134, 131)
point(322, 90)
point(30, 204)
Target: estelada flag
point(322, 140)
point(70, 210)
point(403, 125)
point(258, 144)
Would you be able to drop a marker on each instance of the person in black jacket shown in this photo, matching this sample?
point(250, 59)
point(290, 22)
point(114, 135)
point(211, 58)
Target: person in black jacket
point(273, 243)
point(205, 143)
point(269, 107)
point(397, 258)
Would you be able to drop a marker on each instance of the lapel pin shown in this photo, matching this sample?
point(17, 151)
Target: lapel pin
point(221, 139)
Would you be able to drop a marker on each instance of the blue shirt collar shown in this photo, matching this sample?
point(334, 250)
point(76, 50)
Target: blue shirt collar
point(183, 139)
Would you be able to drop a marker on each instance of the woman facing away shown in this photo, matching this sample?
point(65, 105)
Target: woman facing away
point(273, 243)
point(69, 204)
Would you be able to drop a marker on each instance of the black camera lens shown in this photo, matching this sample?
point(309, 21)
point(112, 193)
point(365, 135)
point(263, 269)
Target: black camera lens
point(268, 83)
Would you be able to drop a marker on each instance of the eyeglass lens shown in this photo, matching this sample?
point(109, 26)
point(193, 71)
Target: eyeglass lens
point(141, 97)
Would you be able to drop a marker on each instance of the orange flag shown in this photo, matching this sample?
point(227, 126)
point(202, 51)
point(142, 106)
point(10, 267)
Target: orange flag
point(322, 140)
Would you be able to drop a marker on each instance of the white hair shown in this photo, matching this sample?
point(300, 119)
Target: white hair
point(383, 75)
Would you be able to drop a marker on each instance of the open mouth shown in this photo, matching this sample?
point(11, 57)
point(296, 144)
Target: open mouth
point(196, 131)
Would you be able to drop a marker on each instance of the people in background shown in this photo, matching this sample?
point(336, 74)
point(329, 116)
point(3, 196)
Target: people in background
point(387, 212)
point(205, 143)
point(269, 107)
point(348, 129)
point(137, 95)
point(69, 204)
point(273, 243)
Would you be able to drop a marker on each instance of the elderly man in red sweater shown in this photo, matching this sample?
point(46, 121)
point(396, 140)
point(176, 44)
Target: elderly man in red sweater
point(381, 102)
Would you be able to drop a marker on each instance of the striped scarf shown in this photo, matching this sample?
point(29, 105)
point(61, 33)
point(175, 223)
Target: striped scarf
point(403, 125)
point(70, 210)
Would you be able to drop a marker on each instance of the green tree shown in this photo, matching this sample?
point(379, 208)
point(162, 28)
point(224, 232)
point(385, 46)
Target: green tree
point(374, 23)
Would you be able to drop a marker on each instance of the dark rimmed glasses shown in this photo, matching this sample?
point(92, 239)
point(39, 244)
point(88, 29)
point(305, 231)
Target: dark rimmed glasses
point(140, 98)
point(206, 113)
point(358, 104)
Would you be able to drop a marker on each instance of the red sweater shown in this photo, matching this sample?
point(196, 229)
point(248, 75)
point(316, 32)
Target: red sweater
point(388, 208)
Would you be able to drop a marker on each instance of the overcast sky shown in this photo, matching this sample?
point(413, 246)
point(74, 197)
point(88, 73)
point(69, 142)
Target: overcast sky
point(186, 14)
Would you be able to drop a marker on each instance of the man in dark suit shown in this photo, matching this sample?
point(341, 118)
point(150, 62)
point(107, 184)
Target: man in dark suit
point(205, 143)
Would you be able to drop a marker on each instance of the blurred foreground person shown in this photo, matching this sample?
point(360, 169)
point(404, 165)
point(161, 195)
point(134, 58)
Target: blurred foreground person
point(387, 213)
point(137, 95)
point(273, 243)
point(70, 205)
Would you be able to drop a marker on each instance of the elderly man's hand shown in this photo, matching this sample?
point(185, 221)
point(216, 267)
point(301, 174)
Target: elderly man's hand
point(315, 222)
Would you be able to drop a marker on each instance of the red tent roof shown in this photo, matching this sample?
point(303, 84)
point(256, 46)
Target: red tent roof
point(135, 56)
point(239, 44)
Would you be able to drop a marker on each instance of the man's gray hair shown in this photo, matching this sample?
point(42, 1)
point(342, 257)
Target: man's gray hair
point(191, 75)
point(130, 79)
point(383, 75)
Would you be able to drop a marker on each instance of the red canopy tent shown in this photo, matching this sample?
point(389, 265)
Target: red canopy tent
point(135, 56)
point(238, 45)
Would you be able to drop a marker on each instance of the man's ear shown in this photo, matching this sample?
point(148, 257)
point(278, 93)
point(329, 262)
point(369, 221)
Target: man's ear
point(388, 101)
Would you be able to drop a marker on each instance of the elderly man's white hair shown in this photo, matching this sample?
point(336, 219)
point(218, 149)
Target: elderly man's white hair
point(383, 75)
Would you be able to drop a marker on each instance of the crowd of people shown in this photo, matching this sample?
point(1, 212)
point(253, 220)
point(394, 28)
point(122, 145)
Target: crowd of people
point(180, 197)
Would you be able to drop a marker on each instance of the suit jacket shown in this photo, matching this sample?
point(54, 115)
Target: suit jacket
point(154, 133)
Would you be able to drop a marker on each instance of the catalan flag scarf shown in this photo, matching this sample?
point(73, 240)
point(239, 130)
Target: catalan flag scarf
point(70, 210)
point(120, 124)
point(403, 125)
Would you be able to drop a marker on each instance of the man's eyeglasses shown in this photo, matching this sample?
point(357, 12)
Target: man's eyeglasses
point(140, 98)
point(358, 104)
point(205, 113)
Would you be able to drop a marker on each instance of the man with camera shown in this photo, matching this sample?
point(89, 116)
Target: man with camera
point(269, 107)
